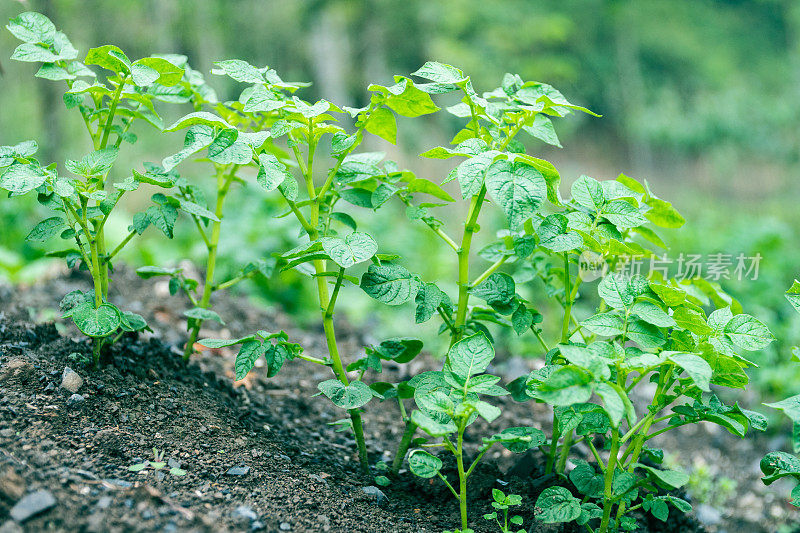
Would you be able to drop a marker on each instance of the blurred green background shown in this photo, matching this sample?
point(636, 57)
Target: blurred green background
point(700, 97)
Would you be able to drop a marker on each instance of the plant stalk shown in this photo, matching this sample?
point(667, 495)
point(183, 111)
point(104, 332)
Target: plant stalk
point(223, 185)
point(608, 480)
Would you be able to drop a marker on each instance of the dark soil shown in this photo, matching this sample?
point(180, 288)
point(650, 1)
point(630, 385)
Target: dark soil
point(298, 473)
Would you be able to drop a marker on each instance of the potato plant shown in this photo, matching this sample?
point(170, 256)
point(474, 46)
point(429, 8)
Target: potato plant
point(228, 150)
point(777, 465)
point(655, 330)
point(666, 339)
point(84, 199)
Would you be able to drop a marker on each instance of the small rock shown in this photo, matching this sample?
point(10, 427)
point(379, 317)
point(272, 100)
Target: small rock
point(238, 471)
point(71, 380)
point(32, 505)
point(11, 527)
point(12, 485)
point(707, 515)
point(7, 433)
point(75, 401)
point(243, 512)
point(285, 526)
point(376, 493)
point(258, 525)
point(104, 502)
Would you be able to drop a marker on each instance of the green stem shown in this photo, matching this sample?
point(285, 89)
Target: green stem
point(223, 184)
point(551, 456)
point(462, 479)
point(121, 245)
point(405, 442)
point(608, 480)
point(463, 263)
point(112, 110)
point(489, 271)
point(565, 448)
point(333, 352)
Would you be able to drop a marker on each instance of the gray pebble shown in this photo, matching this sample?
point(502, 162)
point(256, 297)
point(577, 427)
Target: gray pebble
point(32, 504)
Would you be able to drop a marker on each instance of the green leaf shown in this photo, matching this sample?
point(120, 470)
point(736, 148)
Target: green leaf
point(520, 439)
point(748, 332)
point(400, 349)
point(351, 396)
point(110, 58)
point(615, 289)
point(586, 479)
point(355, 248)
point(696, 367)
point(472, 173)
point(162, 215)
point(97, 163)
point(46, 229)
point(221, 343)
point(622, 214)
point(585, 358)
point(150, 70)
point(470, 356)
point(692, 320)
point(428, 187)
point(613, 403)
point(246, 358)
point(518, 188)
point(427, 300)
point(557, 504)
point(791, 408)
point(197, 137)
point(662, 214)
point(776, 465)
point(199, 117)
point(20, 179)
point(407, 100)
point(645, 335)
point(271, 172)
point(432, 427)
point(566, 386)
point(670, 479)
point(199, 313)
point(588, 193)
point(605, 324)
point(793, 295)
point(132, 322)
point(100, 322)
point(239, 70)
point(423, 464)
point(440, 73)
point(32, 27)
point(653, 314)
point(382, 122)
point(554, 234)
point(542, 128)
point(390, 284)
point(498, 290)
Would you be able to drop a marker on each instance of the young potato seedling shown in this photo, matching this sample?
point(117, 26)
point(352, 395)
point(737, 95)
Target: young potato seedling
point(83, 202)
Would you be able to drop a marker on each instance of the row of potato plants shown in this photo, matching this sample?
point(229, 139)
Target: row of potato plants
point(667, 340)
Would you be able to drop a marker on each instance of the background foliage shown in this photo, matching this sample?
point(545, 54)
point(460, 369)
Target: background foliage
point(700, 97)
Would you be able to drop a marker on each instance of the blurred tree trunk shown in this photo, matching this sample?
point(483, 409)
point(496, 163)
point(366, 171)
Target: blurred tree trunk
point(50, 103)
point(163, 14)
point(329, 49)
point(631, 85)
